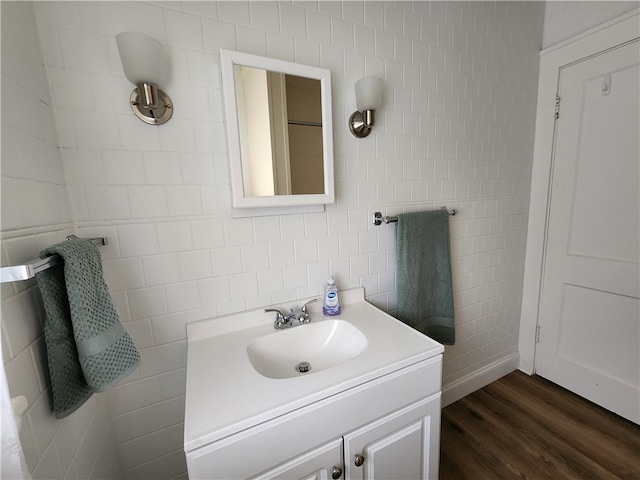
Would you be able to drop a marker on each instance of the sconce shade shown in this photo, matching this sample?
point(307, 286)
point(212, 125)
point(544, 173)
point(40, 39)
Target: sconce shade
point(369, 93)
point(142, 58)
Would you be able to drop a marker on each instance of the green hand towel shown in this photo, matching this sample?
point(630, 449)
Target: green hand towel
point(88, 349)
point(424, 283)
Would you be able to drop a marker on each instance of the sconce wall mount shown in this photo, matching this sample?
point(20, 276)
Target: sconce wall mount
point(360, 123)
point(143, 61)
point(368, 100)
point(150, 104)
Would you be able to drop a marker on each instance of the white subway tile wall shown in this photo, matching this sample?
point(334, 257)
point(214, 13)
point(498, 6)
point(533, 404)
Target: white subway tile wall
point(36, 213)
point(456, 129)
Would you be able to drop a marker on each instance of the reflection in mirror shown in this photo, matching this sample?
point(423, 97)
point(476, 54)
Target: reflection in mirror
point(280, 128)
point(280, 131)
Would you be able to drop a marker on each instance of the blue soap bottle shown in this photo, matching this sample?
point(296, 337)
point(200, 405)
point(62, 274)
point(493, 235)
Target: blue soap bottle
point(331, 303)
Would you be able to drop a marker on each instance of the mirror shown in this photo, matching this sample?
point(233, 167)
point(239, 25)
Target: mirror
point(279, 130)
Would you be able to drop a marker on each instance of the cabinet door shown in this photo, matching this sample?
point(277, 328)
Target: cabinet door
point(404, 445)
point(322, 463)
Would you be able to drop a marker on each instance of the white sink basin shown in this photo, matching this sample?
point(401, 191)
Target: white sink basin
point(317, 346)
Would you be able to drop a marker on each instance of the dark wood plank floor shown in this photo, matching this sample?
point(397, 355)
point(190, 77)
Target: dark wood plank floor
point(529, 428)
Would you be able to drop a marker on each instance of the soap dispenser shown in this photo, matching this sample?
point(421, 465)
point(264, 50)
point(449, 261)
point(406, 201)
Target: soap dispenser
point(331, 303)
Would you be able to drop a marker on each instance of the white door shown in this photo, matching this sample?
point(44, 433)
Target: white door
point(589, 316)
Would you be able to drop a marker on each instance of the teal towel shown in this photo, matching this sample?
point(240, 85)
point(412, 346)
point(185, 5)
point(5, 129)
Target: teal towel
point(424, 284)
point(88, 349)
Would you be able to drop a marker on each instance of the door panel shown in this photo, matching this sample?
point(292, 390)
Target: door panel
point(396, 456)
point(608, 123)
point(317, 464)
point(582, 332)
point(589, 314)
point(402, 445)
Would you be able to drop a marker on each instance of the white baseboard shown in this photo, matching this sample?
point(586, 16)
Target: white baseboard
point(458, 389)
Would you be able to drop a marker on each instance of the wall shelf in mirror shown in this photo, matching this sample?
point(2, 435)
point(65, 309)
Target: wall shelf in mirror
point(280, 134)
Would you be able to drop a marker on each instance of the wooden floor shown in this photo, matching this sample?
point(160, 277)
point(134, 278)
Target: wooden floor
point(529, 428)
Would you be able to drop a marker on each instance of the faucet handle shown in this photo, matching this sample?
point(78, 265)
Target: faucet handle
point(280, 320)
point(304, 307)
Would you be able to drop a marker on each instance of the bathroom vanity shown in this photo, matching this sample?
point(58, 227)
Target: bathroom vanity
point(368, 406)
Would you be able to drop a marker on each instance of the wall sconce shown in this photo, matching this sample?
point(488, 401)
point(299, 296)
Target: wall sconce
point(368, 100)
point(143, 63)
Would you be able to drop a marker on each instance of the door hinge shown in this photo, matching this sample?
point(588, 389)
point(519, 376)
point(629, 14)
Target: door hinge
point(537, 333)
point(557, 114)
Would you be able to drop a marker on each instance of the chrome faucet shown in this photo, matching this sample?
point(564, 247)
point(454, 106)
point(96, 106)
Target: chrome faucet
point(296, 316)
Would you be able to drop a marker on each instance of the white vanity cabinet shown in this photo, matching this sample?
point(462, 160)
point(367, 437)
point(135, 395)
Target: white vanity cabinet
point(375, 416)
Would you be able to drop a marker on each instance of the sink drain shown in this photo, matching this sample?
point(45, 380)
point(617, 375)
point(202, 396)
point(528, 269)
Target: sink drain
point(303, 367)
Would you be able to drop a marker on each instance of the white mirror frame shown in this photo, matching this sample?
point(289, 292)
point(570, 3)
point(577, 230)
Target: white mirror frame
point(228, 59)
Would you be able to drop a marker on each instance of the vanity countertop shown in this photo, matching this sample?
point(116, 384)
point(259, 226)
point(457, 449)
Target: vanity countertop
point(225, 394)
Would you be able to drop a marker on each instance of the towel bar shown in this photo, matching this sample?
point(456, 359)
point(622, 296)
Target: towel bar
point(379, 219)
point(29, 269)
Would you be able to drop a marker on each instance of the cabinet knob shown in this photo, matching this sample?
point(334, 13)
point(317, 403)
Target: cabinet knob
point(359, 460)
point(336, 473)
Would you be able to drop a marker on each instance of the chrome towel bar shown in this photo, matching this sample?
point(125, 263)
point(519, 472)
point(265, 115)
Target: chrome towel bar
point(378, 219)
point(29, 269)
